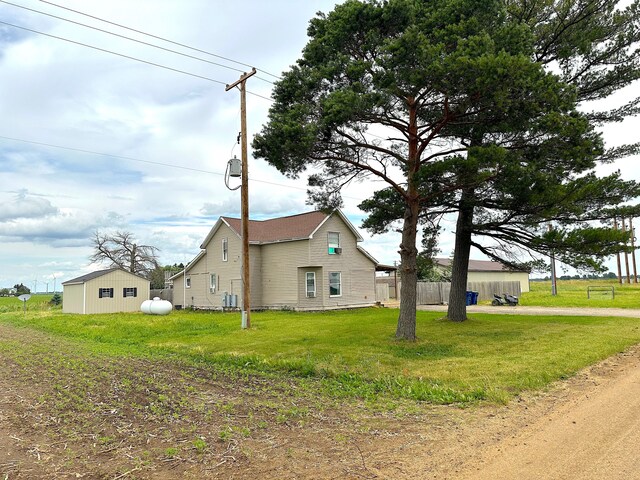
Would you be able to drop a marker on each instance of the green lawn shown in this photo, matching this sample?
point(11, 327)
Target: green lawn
point(353, 353)
point(573, 293)
point(36, 302)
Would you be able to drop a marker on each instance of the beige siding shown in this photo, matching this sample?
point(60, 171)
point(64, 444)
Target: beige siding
point(358, 271)
point(72, 298)
point(228, 274)
point(280, 282)
point(310, 303)
point(118, 280)
point(278, 272)
point(522, 277)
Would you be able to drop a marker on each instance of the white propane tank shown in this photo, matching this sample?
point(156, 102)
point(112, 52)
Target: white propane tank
point(146, 307)
point(156, 306)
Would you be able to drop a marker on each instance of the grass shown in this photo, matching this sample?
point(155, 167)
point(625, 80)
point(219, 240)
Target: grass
point(36, 302)
point(354, 354)
point(573, 293)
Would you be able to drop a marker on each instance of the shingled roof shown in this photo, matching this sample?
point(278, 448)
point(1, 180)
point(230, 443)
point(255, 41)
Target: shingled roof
point(96, 274)
point(282, 229)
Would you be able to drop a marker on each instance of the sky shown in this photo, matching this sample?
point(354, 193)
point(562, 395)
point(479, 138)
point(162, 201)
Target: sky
point(94, 141)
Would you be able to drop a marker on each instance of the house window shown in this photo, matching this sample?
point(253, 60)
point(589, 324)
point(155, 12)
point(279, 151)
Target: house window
point(187, 282)
point(335, 284)
point(225, 249)
point(105, 293)
point(311, 284)
point(212, 283)
point(333, 241)
point(130, 292)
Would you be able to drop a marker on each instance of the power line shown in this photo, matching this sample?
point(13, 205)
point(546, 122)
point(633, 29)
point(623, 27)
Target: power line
point(150, 162)
point(114, 53)
point(127, 57)
point(130, 38)
point(159, 38)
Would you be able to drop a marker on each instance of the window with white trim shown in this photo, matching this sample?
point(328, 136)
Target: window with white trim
point(311, 284)
point(225, 249)
point(333, 242)
point(187, 282)
point(335, 284)
point(213, 281)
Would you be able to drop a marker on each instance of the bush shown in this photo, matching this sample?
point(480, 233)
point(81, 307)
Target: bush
point(56, 299)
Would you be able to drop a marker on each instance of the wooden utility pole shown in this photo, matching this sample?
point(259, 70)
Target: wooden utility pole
point(554, 279)
point(633, 251)
point(244, 199)
point(615, 225)
point(626, 254)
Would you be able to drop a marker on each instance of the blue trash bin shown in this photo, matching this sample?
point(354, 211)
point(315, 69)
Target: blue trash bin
point(474, 300)
point(469, 298)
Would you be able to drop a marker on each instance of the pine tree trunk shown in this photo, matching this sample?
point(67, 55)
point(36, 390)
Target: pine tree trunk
point(457, 310)
point(406, 329)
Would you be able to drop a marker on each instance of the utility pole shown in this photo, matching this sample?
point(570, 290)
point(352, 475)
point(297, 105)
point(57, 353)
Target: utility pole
point(615, 225)
point(244, 199)
point(626, 254)
point(633, 250)
point(554, 280)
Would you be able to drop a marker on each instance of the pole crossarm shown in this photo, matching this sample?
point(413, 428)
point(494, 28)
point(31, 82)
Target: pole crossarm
point(242, 79)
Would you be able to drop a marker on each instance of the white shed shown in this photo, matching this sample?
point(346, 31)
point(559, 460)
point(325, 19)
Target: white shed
point(105, 291)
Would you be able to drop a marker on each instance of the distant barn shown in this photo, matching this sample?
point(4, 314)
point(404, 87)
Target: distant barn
point(105, 291)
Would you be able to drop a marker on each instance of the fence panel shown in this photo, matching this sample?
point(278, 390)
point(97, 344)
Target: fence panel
point(164, 294)
point(382, 292)
point(437, 293)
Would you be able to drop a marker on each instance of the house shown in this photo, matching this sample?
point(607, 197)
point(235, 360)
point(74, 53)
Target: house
point(310, 261)
point(105, 291)
point(489, 271)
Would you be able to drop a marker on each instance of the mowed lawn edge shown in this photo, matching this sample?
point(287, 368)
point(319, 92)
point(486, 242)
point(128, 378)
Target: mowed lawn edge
point(583, 294)
point(354, 354)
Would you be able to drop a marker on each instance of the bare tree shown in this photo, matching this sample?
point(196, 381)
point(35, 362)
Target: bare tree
point(121, 250)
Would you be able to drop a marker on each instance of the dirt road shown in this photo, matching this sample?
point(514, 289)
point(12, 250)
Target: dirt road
point(593, 434)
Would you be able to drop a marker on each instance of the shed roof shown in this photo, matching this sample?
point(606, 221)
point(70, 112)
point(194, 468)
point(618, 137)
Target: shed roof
point(480, 265)
point(96, 274)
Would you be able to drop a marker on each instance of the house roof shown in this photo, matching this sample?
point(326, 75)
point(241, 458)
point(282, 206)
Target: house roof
point(96, 274)
point(480, 265)
point(200, 254)
point(282, 229)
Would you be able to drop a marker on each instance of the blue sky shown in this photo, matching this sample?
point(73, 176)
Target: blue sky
point(160, 140)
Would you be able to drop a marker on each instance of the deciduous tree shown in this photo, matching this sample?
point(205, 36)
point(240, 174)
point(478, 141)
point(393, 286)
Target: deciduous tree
point(121, 250)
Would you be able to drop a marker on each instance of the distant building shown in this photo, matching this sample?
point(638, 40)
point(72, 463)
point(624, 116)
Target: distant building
point(105, 291)
point(310, 261)
point(489, 271)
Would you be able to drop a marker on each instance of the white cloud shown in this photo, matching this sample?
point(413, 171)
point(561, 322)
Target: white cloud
point(24, 206)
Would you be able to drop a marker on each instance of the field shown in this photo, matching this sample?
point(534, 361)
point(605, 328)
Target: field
point(354, 354)
point(573, 293)
point(299, 395)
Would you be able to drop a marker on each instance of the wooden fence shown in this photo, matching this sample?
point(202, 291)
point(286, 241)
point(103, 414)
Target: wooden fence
point(164, 294)
point(437, 293)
